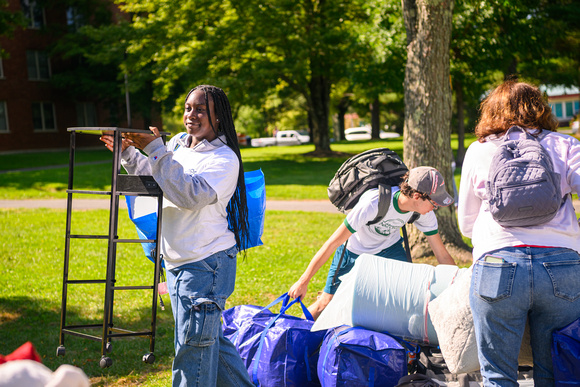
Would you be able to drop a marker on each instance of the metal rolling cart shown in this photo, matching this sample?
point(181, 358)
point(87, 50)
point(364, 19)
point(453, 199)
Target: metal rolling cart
point(120, 185)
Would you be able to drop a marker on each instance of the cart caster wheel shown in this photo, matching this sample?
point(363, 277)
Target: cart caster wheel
point(149, 358)
point(109, 348)
point(105, 362)
point(60, 351)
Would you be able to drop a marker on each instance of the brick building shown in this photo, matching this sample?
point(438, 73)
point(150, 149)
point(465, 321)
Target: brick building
point(34, 114)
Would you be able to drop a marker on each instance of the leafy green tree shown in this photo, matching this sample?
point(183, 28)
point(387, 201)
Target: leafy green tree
point(9, 21)
point(250, 48)
point(496, 39)
point(379, 69)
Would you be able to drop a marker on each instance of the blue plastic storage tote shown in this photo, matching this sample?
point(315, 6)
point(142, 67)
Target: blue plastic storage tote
point(354, 356)
point(279, 350)
point(566, 355)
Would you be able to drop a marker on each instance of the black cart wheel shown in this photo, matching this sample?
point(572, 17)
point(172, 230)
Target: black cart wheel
point(149, 358)
point(109, 347)
point(60, 351)
point(105, 362)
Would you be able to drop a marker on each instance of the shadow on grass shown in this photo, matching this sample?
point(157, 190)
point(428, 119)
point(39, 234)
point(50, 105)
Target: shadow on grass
point(25, 319)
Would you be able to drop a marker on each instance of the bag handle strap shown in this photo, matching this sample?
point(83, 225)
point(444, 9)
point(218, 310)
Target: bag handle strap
point(285, 306)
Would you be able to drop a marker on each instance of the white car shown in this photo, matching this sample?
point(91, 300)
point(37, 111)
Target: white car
point(283, 137)
point(364, 133)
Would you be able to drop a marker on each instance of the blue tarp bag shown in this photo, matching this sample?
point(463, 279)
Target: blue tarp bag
point(277, 349)
point(566, 355)
point(144, 213)
point(357, 357)
point(256, 199)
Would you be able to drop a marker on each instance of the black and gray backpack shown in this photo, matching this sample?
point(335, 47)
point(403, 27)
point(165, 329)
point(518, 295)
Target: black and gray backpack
point(376, 168)
point(522, 187)
point(362, 172)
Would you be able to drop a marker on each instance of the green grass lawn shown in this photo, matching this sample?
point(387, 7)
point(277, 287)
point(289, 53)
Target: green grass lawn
point(33, 241)
point(31, 286)
point(289, 174)
point(33, 251)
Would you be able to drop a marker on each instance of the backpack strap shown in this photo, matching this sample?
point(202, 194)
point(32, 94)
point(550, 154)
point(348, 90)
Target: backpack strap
point(406, 244)
point(384, 203)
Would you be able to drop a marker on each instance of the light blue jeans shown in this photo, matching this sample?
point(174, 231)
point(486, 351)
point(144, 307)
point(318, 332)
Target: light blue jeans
point(198, 292)
point(539, 284)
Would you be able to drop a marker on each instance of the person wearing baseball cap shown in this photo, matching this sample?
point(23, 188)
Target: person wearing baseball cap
point(421, 191)
point(429, 181)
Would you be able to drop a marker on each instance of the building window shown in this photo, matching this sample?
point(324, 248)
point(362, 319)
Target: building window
point(3, 117)
point(558, 110)
point(86, 114)
point(38, 65)
point(74, 19)
point(33, 12)
point(576, 106)
point(43, 116)
point(1, 69)
point(569, 111)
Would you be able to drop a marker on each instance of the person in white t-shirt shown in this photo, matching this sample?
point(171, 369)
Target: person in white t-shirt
point(202, 178)
point(422, 191)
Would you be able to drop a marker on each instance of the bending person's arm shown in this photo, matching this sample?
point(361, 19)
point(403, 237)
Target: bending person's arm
point(300, 288)
point(439, 249)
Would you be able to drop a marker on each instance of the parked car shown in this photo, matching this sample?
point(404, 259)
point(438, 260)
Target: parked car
point(283, 137)
point(364, 133)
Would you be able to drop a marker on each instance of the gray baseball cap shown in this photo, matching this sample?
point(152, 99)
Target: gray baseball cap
point(429, 181)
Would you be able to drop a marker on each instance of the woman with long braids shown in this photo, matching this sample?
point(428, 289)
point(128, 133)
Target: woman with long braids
point(202, 178)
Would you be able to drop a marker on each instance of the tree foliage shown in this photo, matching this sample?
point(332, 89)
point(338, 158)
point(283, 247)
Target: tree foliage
point(9, 21)
point(251, 49)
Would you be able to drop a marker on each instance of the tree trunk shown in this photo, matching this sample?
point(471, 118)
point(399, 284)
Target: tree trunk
point(427, 130)
point(375, 119)
point(319, 89)
point(342, 108)
point(460, 106)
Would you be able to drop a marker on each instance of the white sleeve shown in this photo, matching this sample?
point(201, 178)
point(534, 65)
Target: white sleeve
point(468, 203)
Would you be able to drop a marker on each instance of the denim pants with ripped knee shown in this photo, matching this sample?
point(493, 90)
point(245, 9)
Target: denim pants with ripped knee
point(198, 292)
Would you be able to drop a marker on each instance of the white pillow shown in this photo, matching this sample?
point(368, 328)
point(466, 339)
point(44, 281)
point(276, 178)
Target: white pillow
point(451, 316)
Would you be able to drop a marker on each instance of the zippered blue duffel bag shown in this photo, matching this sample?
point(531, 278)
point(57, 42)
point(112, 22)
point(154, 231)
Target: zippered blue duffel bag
point(279, 350)
point(566, 355)
point(358, 357)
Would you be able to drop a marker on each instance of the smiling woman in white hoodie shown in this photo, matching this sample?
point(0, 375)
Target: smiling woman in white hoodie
point(202, 178)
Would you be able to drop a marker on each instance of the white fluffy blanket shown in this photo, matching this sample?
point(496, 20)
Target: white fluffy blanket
point(451, 316)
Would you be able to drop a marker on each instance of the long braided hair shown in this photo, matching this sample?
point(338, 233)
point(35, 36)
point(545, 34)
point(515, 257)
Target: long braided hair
point(237, 207)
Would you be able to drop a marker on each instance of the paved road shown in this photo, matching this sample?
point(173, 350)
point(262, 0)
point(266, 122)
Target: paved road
point(92, 204)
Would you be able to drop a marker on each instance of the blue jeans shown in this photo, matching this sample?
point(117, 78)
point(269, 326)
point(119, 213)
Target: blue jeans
point(539, 284)
point(198, 292)
point(395, 251)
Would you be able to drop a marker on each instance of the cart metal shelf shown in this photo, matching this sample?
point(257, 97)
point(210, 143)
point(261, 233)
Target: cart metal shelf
point(120, 185)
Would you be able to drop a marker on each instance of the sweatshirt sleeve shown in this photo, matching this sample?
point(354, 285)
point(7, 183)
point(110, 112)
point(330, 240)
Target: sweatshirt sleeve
point(134, 162)
point(573, 163)
point(183, 188)
point(468, 204)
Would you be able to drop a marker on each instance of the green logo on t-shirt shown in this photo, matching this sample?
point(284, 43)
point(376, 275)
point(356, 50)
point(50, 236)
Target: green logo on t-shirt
point(388, 226)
